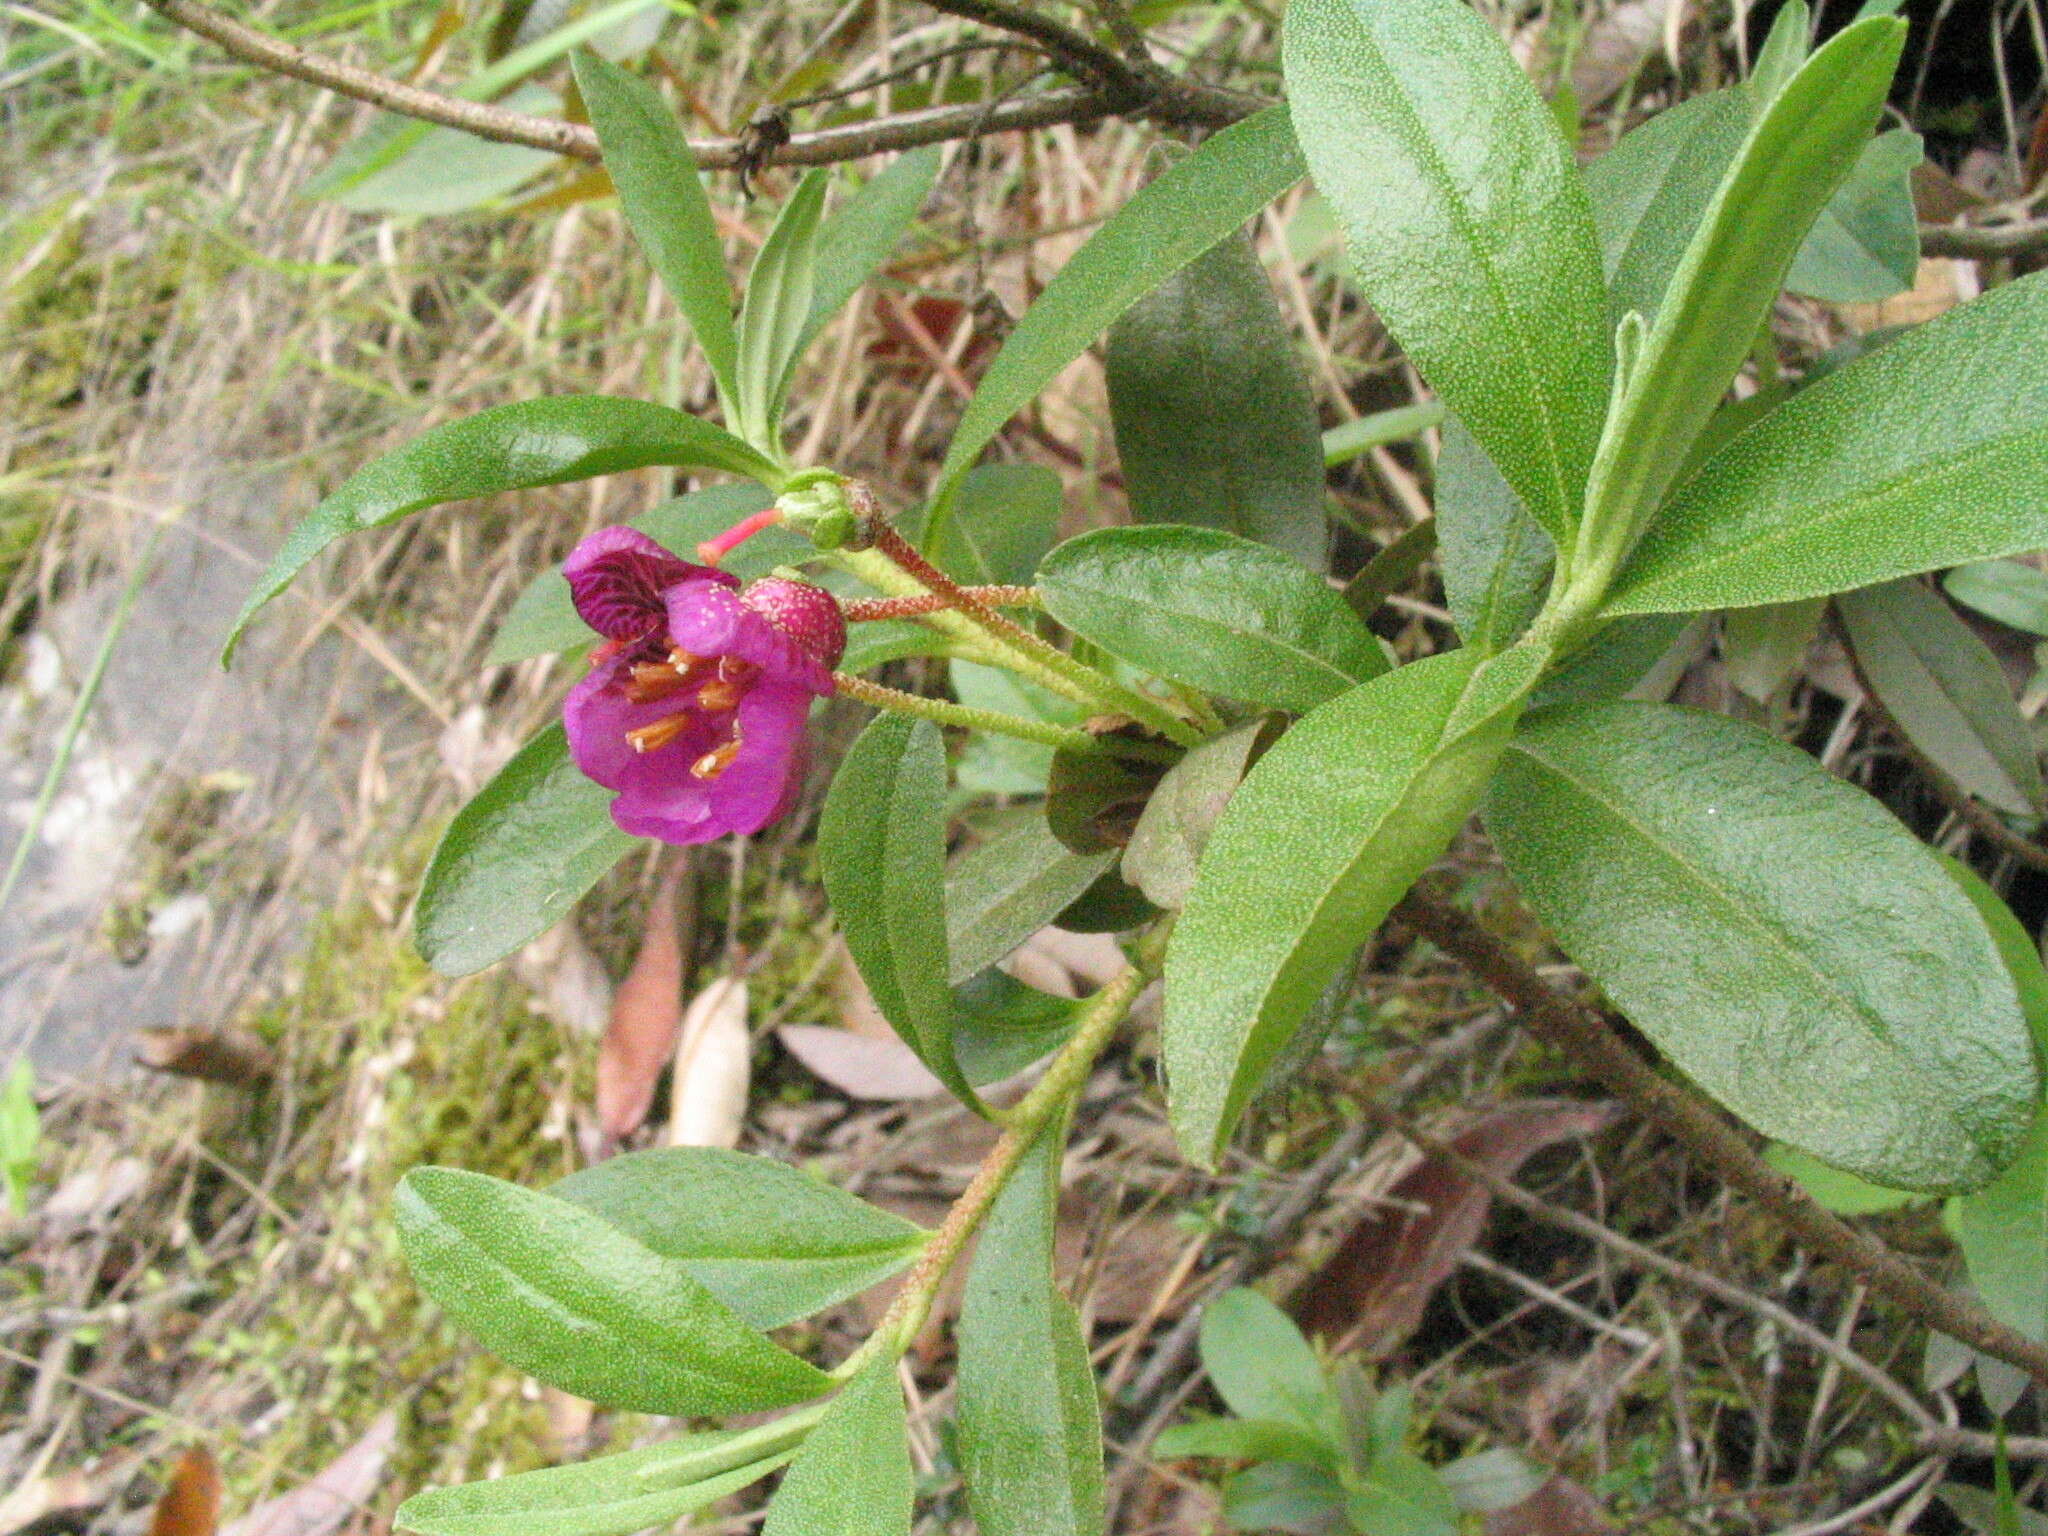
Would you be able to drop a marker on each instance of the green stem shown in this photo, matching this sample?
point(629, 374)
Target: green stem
point(1038, 1110)
point(1062, 738)
point(695, 1463)
point(1107, 693)
point(881, 573)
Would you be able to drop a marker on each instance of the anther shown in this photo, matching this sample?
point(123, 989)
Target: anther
point(653, 680)
point(660, 733)
point(713, 763)
point(720, 695)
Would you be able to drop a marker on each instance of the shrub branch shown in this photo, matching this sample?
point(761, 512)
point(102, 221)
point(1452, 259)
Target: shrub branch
point(1582, 1034)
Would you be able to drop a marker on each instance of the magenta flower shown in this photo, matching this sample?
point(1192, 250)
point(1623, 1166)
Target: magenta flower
point(695, 706)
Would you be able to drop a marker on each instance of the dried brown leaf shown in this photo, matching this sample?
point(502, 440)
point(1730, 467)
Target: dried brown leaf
point(234, 1058)
point(190, 1503)
point(1559, 1508)
point(324, 1505)
point(714, 1068)
point(859, 1065)
point(646, 1018)
point(43, 1501)
point(1374, 1287)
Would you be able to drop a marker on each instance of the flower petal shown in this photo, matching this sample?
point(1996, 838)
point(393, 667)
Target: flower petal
point(757, 787)
point(617, 577)
point(708, 620)
point(598, 714)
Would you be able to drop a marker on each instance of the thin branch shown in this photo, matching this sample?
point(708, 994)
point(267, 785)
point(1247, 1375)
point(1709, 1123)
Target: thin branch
point(1184, 105)
point(1984, 242)
point(1645, 1257)
point(1582, 1034)
point(1080, 54)
point(1126, 89)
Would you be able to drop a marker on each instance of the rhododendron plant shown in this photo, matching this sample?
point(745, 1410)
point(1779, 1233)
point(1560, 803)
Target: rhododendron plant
point(1229, 768)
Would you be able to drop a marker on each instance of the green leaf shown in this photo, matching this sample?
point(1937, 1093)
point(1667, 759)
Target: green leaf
point(1784, 50)
point(1831, 1188)
point(1359, 436)
point(1634, 658)
point(1866, 246)
point(1186, 209)
point(2013, 593)
point(1945, 690)
point(882, 854)
point(777, 308)
point(507, 448)
point(1776, 933)
point(865, 230)
point(1215, 422)
point(542, 619)
point(1762, 648)
point(610, 1496)
point(1262, 1367)
point(2016, 947)
point(1166, 846)
point(1030, 1429)
point(1402, 1496)
point(853, 1475)
point(1002, 1026)
point(1491, 1480)
point(1004, 518)
point(21, 1129)
point(1092, 802)
point(1284, 1496)
point(1982, 1511)
point(770, 1241)
point(1495, 558)
point(1006, 889)
point(1211, 610)
point(1002, 765)
point(560, 1293)
point(1392, 568)
point(2003, 1232)
point(1925, 453)
point(1468, 223)
point(650, 163)
point(445, 170)
point(516, 858)
point(390, 137)
point(1651, 190)
point(1244, 1440)
point(1325, 834)
point(880, 641)
point(1798, 152)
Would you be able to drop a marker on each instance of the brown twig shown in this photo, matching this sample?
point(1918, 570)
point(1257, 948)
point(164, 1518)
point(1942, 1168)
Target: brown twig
point(1184, 105)
point(1078, 53)
point(1583, 1035)
point(1118, 87)
point(1984, 242)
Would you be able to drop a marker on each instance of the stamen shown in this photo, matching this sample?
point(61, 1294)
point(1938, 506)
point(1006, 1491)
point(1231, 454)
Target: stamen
point(713, 763)
point(653, 680)
point(720, 695)
point(660, 733)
